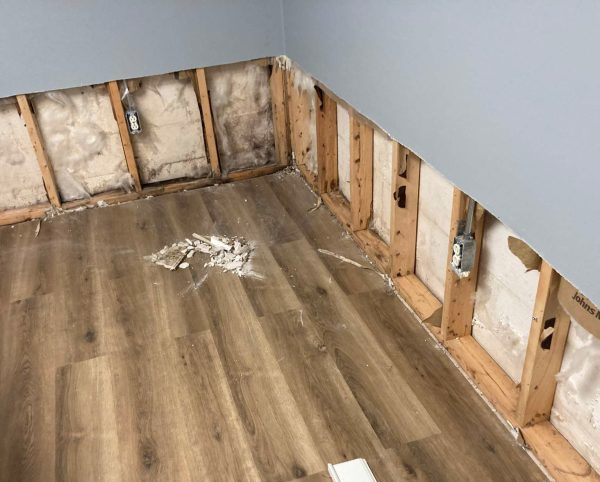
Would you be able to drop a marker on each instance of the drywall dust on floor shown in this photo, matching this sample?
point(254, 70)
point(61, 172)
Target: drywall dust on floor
point(171, 145)
point(22, 183)
point(576, 410)
point(82, 140)
point(343, 129)
point(240, 96)
point(303, 113)
point(435, 214)
point(504, 300)
point(382, 185)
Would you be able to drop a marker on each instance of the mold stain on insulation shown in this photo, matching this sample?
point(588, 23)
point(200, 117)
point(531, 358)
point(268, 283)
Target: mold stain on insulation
point(435, 215)
point(241, 103)
point(82, 140)
point(504, 300)
point(171, 145)
point(22, 183)
point(382, 185)
point(343, 140)
point(576, 410)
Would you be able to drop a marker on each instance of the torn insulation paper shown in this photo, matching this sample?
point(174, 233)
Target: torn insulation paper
point(230, 254)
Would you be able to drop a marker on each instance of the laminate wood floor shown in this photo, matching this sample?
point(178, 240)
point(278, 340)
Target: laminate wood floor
point(114, 369)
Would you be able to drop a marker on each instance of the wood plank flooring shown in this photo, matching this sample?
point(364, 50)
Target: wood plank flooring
point(113, 369)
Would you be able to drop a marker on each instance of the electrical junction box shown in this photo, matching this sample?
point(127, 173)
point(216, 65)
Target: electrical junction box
point(133, 121)
point(463, 254)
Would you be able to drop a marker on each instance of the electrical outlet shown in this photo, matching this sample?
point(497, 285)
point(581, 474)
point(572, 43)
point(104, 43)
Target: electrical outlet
point(133, 121)
point(463, 254)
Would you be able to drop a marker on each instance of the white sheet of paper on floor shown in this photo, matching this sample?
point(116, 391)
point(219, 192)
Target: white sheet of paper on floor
point(356, 470)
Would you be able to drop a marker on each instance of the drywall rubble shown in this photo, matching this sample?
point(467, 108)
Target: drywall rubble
point(576, 410)
point(435, 214)
point(504, 301)
point(230, 254)
point(82, 140)
point(241, 101)
point(382, 185)
point(171, 145)
point(343, 141)
point(22, 183)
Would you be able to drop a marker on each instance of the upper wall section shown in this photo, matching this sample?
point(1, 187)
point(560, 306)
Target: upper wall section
point(501, 99)
point(48, 45)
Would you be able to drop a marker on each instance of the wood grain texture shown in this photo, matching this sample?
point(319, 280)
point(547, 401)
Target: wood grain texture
point(201, 89)
point(327, 143)
point(280, 113)
point(112, 368)
point(361, 173)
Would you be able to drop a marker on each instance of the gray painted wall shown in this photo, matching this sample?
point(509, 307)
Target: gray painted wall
point(48, 45)
point(502, 97)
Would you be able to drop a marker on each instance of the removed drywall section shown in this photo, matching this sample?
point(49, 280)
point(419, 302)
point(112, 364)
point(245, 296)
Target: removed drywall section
point(343, 128)
point(241, 103)
point(435, 213)
point(576, 410)
point(382, 185)
point(22, 183)
point(82, 141)
point(504, 300)
point(171, 145)
point(303, 115)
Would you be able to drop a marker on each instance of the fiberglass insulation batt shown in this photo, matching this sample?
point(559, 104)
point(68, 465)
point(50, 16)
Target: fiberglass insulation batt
point(82, 140)
point(22, 181)
point(171, 144)
point(382, 185)
point(241, 104)
point(433, 228)
point(504, 300)
point(343, 129)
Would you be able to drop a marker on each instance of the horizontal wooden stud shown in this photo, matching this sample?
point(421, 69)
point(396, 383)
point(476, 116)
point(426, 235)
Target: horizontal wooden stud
point(14, 216)
point(375, 248)
point(339, 206)
point(416, 295)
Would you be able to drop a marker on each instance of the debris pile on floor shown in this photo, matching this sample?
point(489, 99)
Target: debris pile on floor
point(230, 254)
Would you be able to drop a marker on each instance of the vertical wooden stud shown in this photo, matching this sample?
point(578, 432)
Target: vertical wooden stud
point(459, 293)
point(199, 81)
point(37, 142)
point(545, 349)
point(327, 143)
point(119, 113)
point(280, 117)
point(361, 174)
point(406, 173)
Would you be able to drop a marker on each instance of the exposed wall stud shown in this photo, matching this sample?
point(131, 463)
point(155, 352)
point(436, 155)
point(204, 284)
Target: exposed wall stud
point(459, 293)
point(40, 152)
point(406, 172)
point(201, 89)
point(327, 143)
point(361, 173)
point(117, 105)
point(280, 116)
point(545, 349)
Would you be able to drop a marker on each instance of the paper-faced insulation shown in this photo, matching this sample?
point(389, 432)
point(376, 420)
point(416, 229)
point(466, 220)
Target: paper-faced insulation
point(343, 129)
point(171, 145)
point(22, 183)
point(82, 140)
point(433, 228)
point(504, 300)
point(241, 104)
point(576, 410)
point(382, 185)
